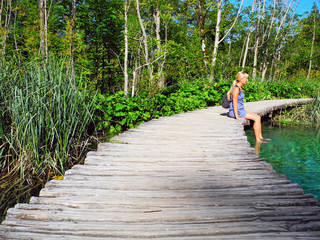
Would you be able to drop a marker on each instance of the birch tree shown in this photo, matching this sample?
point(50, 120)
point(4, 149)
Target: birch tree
point(248, 38)
point(314, 13)
point(282, 16)
point(43, 49)
point(156, 13)
point(217, 39)
point(4, 29)
point(258, 34)
point(280, 36)
point(145, 42)
point(202, 32)
point(126, 46)
point(73, 24)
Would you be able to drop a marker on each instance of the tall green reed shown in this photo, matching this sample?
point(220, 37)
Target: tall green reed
point(48, 116)
point(315, 109)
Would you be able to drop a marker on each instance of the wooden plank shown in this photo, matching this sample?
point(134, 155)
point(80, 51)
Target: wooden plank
point(94, 202)
point(112, 230)
point(149, 184)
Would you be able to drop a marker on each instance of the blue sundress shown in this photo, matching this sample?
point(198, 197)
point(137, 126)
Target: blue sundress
point(242, 113)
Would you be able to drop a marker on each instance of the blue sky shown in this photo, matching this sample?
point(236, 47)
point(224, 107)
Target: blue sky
point(303, 5)
point(306, 5)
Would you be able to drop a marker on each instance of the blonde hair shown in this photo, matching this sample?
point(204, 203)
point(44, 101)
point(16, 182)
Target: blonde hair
point(239, 76)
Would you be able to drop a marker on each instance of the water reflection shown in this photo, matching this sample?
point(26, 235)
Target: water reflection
point(257, 147)
point(293, 151)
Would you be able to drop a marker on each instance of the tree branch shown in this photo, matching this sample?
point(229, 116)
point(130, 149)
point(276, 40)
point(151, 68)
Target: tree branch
point(234, 22)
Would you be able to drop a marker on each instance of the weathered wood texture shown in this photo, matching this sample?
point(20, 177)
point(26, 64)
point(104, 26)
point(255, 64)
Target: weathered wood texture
point(188, 176)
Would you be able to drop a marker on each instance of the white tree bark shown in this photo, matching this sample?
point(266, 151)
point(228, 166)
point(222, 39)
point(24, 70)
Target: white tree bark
point(134, 80)
point(277, 55)
point(73, 74)
point(202, 33)
point(257, 42)
point(145, 41)
point(15, 37)
point(4, 30)
point(248, 39)
point(45, 28)
point(42, 29)
point(217, 38)
point(279, 27)
point(157, 20)
point(126, 47)
point(234, 22)
point(1, 9)
point(265, 64)
point(312, 45)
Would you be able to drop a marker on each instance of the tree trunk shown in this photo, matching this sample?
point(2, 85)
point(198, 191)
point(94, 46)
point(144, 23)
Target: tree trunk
point(157, 20)
point(73, 24)
point(1, 10)
point(15, 37)
point(202, 33)
point(248, 40)
point(256, 44)
point(134, 80)
point(43, 49)
point(281, 23)
point(275, 72)
point(255, 58)
point(246, 51)
point(4, 30)
point(265, 65)
point(45, 28)
point(126, 47)
point(312, 45)
point(217, 38)
point(42, 34)
point(242, 50)
point(145, 43)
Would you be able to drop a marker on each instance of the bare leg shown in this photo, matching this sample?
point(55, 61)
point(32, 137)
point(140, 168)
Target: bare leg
point(256, 125)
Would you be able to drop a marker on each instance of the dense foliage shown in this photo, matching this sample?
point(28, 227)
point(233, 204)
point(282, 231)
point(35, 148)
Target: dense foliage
point(174, 40)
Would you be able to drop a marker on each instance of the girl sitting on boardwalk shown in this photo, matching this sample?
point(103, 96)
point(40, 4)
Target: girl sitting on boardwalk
point(236, 106)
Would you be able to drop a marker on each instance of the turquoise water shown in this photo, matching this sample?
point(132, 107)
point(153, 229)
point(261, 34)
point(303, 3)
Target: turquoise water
point(293, 151)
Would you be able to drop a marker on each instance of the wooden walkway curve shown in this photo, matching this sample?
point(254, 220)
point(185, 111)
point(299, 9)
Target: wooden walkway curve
point(188, 176)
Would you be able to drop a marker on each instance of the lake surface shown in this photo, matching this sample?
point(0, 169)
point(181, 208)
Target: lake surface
point(293, 151)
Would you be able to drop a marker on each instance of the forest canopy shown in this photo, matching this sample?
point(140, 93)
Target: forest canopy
point(133, 45)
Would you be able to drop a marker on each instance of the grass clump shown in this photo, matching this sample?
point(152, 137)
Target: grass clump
point(308, 113)
point(43, 127)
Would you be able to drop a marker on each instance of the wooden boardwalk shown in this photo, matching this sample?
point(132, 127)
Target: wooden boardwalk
point(188, 176)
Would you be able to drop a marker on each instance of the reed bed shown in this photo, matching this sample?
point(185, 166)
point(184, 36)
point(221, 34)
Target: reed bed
point(44, 119)
point(305, 114)
point(315, 109)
